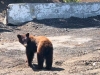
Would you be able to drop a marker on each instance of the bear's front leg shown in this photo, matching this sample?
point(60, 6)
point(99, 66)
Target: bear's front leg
point(30, 56)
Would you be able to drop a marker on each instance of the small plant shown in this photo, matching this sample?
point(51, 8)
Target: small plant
point(70, 1)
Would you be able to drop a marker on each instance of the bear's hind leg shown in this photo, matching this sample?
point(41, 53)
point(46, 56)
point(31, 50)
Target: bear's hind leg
point(49, 61)
point(40, 59)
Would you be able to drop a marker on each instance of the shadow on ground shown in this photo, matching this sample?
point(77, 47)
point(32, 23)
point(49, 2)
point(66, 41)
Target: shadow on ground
point(71, 22)
point(34, 68)
point(3, 28)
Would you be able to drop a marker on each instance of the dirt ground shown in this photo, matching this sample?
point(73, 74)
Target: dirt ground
point(76, 46)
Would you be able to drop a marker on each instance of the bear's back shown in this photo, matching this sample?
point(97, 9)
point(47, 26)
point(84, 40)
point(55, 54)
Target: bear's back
point(44, 40)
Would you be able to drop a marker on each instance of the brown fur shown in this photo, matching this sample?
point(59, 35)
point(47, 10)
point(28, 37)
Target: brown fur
point(40, 44)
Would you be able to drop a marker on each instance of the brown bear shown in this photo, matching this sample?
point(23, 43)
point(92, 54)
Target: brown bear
point(40, 44)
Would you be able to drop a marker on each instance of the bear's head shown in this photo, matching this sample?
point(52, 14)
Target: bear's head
point(23, 39)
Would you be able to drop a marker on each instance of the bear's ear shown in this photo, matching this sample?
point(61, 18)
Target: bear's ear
point(27, 35)
point(19, 36)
